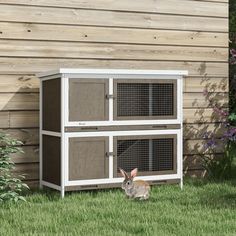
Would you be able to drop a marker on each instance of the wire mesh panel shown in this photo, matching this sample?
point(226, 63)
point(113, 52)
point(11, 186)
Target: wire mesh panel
point(141, 100)
point(132, 99)
point(162, 99)
point(148, 155)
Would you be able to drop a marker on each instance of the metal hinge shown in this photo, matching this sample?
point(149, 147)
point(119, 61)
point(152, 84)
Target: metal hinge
point(108, 154)
point(110, 96)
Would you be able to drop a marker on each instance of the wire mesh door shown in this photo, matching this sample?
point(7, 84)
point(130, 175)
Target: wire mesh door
point(152, 155)
point(145, 99)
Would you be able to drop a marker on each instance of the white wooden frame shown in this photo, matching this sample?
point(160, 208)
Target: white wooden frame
point(111, 72)
point(64, 75)
point(40, 136)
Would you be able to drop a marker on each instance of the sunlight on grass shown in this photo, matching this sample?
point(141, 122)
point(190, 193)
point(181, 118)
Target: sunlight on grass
point(200, 208)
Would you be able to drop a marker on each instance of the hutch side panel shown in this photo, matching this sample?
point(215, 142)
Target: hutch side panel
point(51, 159)
point(51, 96)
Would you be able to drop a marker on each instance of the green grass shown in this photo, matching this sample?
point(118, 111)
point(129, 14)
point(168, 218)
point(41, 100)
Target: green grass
point(199, 209)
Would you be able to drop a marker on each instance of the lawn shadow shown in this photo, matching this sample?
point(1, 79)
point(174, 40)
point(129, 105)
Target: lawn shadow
point(47, 194)
point(218, 201)
point(221, 197)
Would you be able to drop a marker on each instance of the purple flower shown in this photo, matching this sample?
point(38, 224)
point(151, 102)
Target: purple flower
point(205, 92)
point(232, 59)
point(210, 144)
point(233, 52)
point(230, 134)
point(221, 112)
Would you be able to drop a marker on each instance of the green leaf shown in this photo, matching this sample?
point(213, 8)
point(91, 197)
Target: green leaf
point(10, 186)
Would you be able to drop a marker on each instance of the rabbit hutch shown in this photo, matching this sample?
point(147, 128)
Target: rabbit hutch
point(95, 121)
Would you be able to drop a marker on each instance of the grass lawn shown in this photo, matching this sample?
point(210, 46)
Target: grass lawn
point(199, 209)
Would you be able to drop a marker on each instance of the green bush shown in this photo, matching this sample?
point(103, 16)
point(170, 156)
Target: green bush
point(11, 186)
point(221, 168)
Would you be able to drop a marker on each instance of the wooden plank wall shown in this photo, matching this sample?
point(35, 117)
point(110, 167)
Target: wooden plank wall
point(39, 35)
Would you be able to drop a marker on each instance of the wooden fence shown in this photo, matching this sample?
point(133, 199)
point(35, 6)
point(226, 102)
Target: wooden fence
point(39, 35)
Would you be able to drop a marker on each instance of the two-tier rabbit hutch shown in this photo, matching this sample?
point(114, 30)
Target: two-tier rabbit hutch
point(93, 121)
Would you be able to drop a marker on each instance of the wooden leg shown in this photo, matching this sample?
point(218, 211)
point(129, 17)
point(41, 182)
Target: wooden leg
point(40, 185)
point(181, 184)
point(62, 193)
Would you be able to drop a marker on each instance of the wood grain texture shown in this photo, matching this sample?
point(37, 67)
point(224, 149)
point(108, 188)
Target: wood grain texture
point(211, 84)
point(50, 32)
point(24, 119)
point(199, 100)
point(4, 120)
point(12, 48)
point(12, 13)
point(198, 147)
point(203, 130)
point(216, 9)
point(199, 115)
point(30, 155)
point(34, 65)
point(29, 170)
point(19, 101)
point(18, 83)
point(26, 136)
point(19, 119)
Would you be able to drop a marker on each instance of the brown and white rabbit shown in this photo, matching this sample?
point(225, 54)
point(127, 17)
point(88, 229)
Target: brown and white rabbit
point(135, 189)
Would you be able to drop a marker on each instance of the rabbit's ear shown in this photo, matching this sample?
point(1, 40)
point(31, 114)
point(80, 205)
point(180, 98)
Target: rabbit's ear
point(134, 172)
point(124, 173)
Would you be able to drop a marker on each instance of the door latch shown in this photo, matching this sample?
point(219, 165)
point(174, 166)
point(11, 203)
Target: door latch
point(110, 96)
point(108, 154)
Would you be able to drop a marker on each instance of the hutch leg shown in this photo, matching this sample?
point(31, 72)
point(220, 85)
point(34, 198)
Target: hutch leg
point(62, 192)
point(181, 184)
point(40, 185)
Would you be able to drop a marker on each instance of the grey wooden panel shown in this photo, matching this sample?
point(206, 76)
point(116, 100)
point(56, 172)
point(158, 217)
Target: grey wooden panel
point(52, 159)
point(122, 127)
point(117, 185)
point(87, 99)
point(52, 105)
point(87, 158)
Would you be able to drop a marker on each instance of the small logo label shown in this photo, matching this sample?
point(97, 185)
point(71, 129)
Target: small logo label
point(82, 123)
